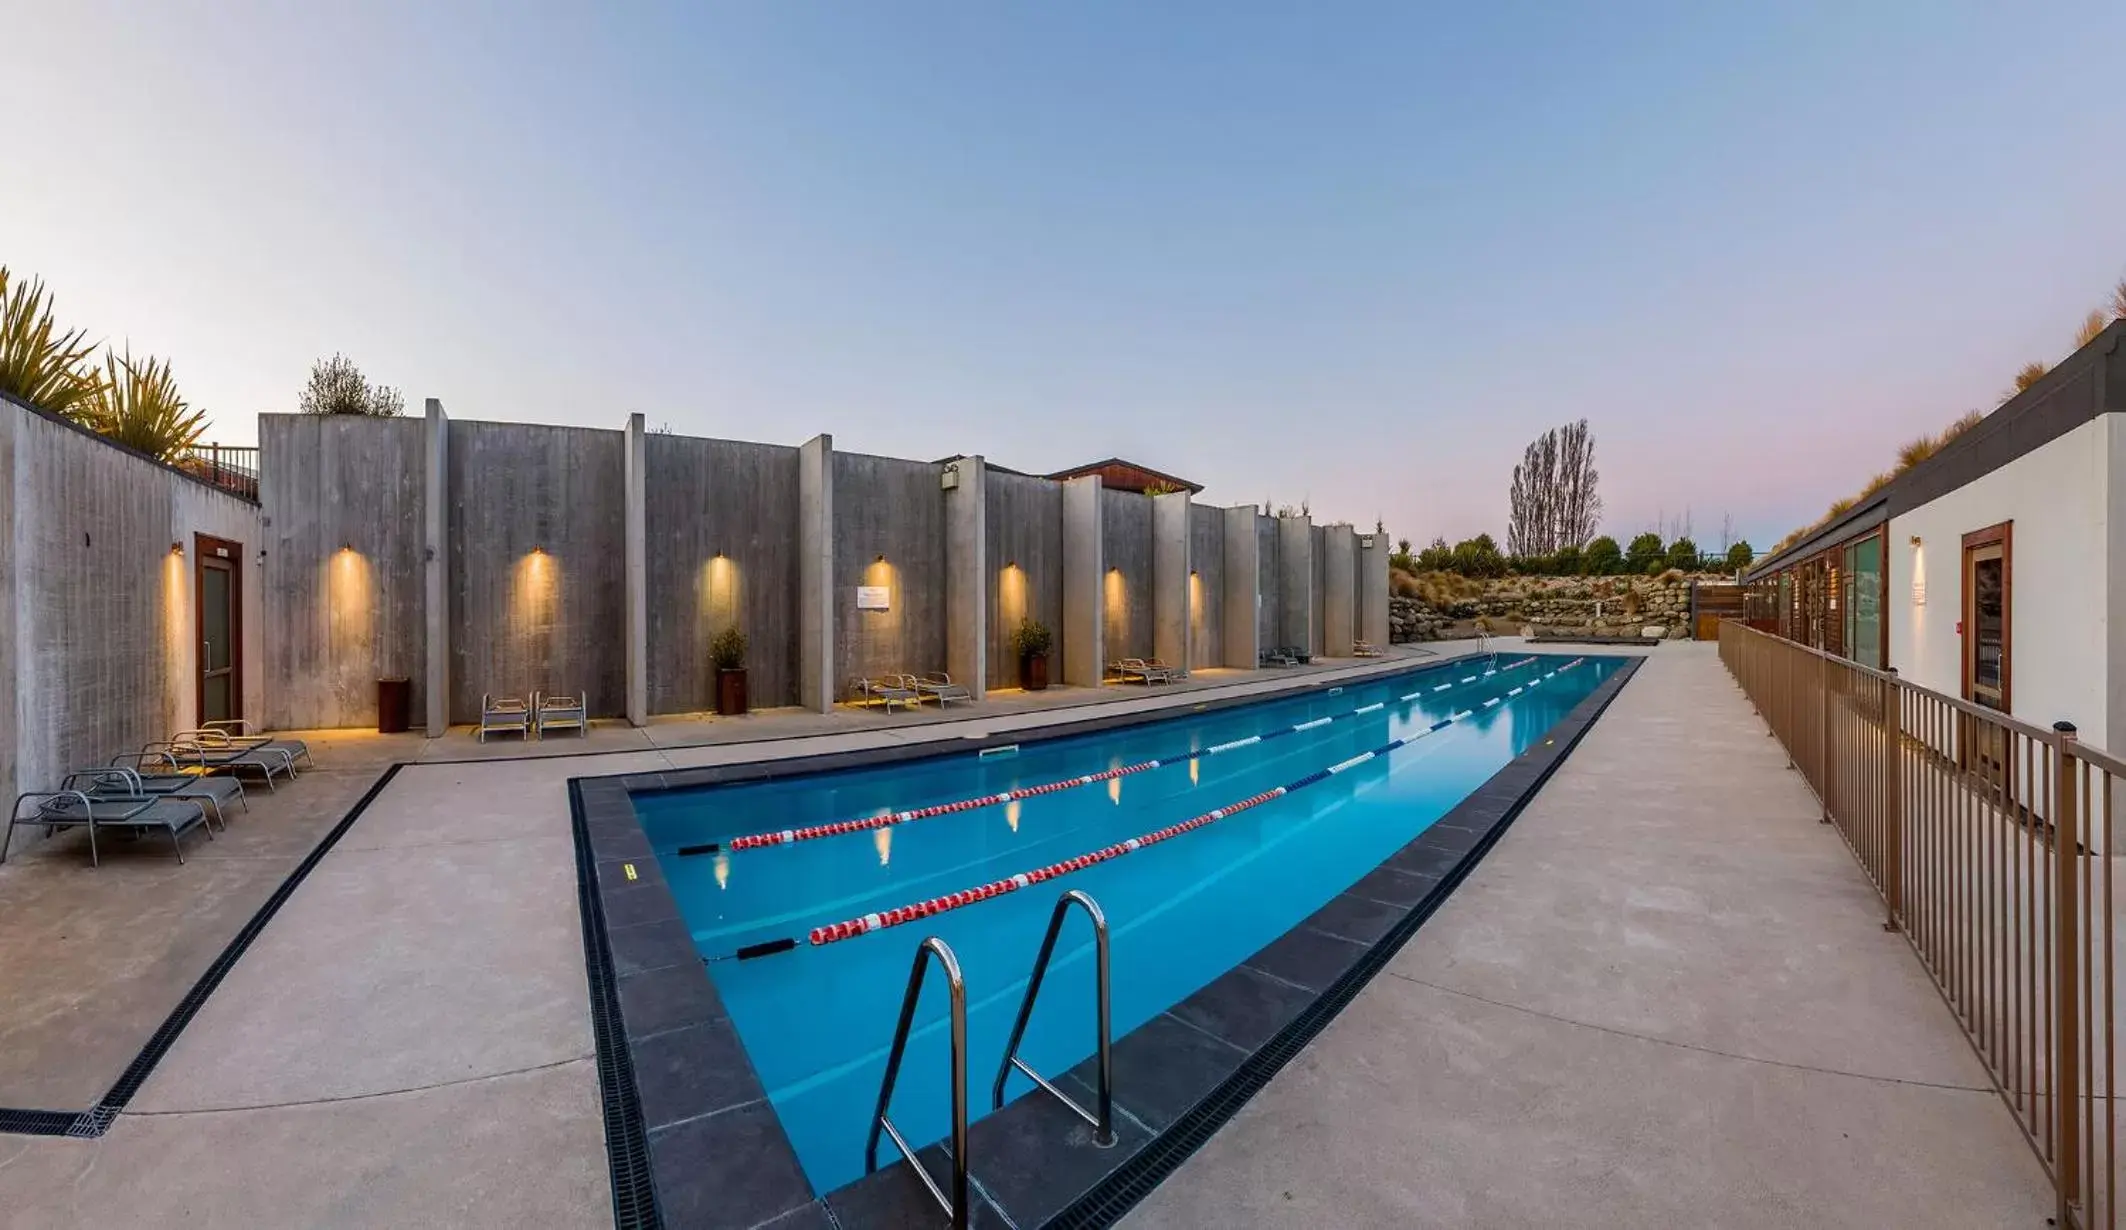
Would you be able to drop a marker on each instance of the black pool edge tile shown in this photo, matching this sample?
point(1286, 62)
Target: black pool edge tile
point(634, 1178)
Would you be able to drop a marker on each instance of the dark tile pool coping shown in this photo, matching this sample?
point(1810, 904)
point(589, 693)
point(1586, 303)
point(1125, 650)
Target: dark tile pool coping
point(693, 1141)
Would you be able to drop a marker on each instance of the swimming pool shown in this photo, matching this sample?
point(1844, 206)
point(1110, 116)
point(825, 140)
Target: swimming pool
point(827, 910)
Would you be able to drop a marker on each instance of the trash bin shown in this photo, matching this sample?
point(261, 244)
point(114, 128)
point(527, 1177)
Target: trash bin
point(394, 706)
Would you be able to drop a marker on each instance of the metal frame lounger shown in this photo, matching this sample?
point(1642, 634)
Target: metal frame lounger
point(1141, 671)
point(1162, 673)
point(504, 715)
point(222, 758)
point(879, 691)
point(937, 684)
point(1275, 657)
point(551, 712)
point(218, 789)
point(239, 732)
point(58, 809)
point(1365, 649)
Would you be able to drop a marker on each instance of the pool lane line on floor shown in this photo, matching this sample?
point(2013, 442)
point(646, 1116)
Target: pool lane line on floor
point(865, 924)
point(840, 828)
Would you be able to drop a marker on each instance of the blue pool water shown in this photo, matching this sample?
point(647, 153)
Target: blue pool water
point(817, 1020)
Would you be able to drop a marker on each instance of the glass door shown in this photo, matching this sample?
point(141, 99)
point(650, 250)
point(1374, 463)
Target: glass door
point(220, 631)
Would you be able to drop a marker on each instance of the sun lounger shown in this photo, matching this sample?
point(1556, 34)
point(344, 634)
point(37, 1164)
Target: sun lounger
point(58, 809)
point(504, 715)
point(1365, 649)
point(1163, 672)
point(938, 685)
point(217, 757)
point(886, 690)
point(239, 732)
point(1275, 657)
point(560, 713)
point(1300, 657)
point(1140, 671)
point(153, 773)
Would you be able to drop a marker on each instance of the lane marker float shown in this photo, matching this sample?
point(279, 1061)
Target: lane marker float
point(839, 828)
point(880, 920)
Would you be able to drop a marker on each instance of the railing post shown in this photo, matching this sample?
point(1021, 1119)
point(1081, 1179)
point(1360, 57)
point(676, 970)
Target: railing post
point(2066, 1010)
point(1893, 819)
point(1823, 734)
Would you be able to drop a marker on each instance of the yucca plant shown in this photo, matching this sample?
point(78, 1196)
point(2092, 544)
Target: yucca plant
point(137, 405)
point(39, 364)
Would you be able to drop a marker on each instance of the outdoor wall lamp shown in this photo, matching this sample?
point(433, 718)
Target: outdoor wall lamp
point(881, 558)
point(1915, 540)
point(177, 548)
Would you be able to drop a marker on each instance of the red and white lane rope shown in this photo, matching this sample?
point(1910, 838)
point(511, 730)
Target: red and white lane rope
point(851, 928)
point(784, 837)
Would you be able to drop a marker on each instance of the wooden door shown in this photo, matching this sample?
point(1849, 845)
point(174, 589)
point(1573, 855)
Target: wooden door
point(218, 585)
point(1988, 626)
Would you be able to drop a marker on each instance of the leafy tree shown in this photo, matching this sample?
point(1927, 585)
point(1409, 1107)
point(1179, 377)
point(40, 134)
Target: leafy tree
point(1566, 562)
point(137, 405)
point(1436, 558)
point(1644, 550)
point(39, 364)
point(1683, 553)
point(1740, 556)
point(1479, 557)
point(337, 386)
point(1603, 557)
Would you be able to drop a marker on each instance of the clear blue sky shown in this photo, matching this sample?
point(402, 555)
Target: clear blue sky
point(1358, 255)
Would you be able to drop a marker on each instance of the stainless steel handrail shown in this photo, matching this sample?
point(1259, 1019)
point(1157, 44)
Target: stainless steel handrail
point(1104, 1122)
point(956, 1205)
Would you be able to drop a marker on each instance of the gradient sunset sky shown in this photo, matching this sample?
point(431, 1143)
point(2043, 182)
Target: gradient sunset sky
point(1352, 254)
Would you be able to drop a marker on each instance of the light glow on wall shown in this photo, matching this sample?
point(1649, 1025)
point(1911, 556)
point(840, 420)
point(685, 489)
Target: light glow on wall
point(350, 602)
point(1011, 597)
point(179, 644)
point(717, 594)
point(1197, 633)
point(535, 591)
point(882, 642)
point(1117, 602)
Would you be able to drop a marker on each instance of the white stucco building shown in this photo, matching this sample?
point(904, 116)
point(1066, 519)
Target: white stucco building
point(1996, 569)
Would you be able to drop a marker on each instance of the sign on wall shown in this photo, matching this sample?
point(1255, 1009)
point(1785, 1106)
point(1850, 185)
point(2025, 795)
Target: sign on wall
point(872, 597)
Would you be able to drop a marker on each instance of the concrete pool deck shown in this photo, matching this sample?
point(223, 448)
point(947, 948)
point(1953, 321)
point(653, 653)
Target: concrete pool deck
point(1624, 1016)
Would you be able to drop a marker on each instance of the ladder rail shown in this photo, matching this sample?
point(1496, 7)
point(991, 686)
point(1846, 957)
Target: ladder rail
point(1103, 1122)
point(956, 987)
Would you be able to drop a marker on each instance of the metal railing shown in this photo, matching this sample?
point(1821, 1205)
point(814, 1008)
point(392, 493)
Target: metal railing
point(956, 1204)
point(231, 467)
point(1992, 844)
point(1103, 1123)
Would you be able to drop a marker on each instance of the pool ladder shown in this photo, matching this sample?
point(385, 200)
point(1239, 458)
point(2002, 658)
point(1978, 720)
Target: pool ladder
point(1103, 1123)
point(956, 1205)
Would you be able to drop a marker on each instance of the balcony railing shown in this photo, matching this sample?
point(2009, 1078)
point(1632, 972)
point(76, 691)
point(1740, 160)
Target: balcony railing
point(231, 467)
point(1992, 844)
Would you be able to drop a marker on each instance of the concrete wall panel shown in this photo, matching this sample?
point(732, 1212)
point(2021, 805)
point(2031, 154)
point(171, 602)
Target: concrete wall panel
point(1084, 636)
point(723, 539)
point(10, 553)
point(1339, 590)
point(1373, 589)
point(1269, 568)
point(1320, 536)
point(889, 531)
point(102, 619)
point(1126, 586)
point(341, 618)
point(967, 575)
point(1206, 586)
point(1024, 527)
point(1297, 606)
point(538, 536)
point(1240, 640)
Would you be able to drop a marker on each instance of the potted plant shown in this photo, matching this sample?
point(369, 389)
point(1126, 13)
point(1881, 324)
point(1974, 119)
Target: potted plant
point(1031, 640)
point(728, 652)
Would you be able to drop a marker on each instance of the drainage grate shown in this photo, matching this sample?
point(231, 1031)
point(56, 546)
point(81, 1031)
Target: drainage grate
point(1134, 1180)
point(627, 1145)
point(39, 1122)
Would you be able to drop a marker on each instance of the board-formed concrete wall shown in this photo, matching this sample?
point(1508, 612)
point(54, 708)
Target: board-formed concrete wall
point(889, 531)
point(1206, 590)
point(1320, 619)
point(1126, 586)
point(1269, 566)
point(722, 549)
point(1338, 562)
point(1298, 585)
point(344, 502)
point(538, 545)
point(1024, 526)
point(101, 620)
point(1373, 589)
